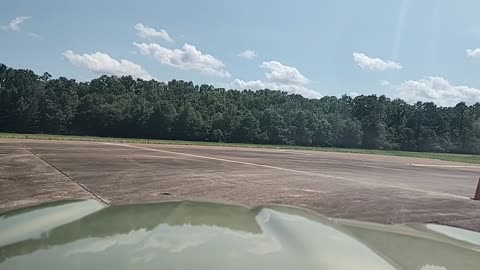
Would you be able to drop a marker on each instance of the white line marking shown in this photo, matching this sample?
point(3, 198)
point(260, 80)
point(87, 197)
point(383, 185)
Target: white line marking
point(444, 166)
point(295, 171)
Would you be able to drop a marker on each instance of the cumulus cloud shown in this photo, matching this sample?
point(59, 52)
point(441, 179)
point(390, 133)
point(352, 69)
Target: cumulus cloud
point(436, 89)
point(102, 63)
point(148, 32)
point(475, 53)
point(248, 54)
point(369, 63)
point(188, 58)
point(277, 72)
point(279, 77)
point(14, 25)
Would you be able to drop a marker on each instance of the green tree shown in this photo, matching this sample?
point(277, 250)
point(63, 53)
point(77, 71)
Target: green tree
point(248, 129)
point(370, 111)
point(273, 126)
point(123, 106)
point(323, 133)
point(58, 104)
point(20, 92)
point(188, 124)
point(160, 122)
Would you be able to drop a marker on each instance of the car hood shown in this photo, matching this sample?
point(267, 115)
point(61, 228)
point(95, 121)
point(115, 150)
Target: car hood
point(202, 235)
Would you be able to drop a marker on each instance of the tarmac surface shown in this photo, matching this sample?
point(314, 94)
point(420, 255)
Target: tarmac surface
point(365, 187)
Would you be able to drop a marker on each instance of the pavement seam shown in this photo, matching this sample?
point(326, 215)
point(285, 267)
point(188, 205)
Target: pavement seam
point(461, 219)
point(293, 170)
point(105, 201)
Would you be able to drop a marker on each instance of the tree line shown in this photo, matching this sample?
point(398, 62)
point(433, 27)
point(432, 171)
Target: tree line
point(125, 107)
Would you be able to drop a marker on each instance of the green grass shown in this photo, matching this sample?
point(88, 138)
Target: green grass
point(465, 158)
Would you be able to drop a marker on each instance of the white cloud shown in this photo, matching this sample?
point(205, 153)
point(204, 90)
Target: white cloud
point(188, 58)
point(283, 74)
point(102, 63)
point(33, 35)
point(437, 90)
point(475, 53)
point(354, 94)
point(279, 77)
point(366, 62)
point(293, 89)
point(248, 54)
point(14, 25)
point(384, 83)
point(148, 32)
point(251, 85)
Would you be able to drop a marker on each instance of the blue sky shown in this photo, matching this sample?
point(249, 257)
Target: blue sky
point(416, 50)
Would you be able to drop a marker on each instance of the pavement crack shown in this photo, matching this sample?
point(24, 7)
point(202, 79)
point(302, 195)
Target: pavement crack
point(98, 197)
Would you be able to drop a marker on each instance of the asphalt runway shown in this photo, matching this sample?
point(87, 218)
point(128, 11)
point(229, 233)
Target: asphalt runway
point(356, 186)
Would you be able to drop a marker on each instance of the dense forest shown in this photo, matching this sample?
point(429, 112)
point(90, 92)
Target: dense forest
point(125, 107)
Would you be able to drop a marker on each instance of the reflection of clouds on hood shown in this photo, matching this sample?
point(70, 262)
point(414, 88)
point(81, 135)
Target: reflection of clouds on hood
point(177, 239)
point(174, 239)
point(432, 267)
point(265, 246)
point(169, 240)
point(34, 224)
point(94, 245)
point(193, 237)
point(174, 245)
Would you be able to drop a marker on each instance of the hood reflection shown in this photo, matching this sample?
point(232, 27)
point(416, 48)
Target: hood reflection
point(198, 235)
